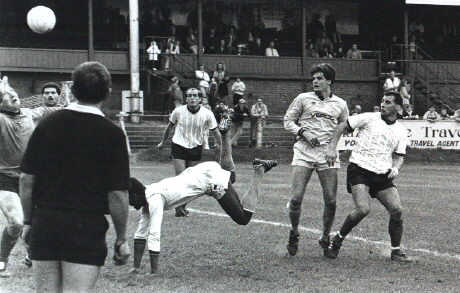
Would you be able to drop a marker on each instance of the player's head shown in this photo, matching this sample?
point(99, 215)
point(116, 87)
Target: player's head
point(323, 75)
point(9, 100)
point(136, 193)
point(391, 104)
point(51, 92)
point(192, 96)
point(91, 82)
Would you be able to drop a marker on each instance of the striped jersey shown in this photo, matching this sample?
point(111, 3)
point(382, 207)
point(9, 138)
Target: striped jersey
point(190, 128)
point(377, 141)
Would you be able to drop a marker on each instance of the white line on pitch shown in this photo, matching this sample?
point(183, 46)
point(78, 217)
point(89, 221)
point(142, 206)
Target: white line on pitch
point(316, 231)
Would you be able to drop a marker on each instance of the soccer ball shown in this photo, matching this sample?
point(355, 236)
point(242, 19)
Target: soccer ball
point(41, 19)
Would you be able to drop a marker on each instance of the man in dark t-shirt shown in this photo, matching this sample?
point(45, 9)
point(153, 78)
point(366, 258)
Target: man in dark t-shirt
point(74, 172)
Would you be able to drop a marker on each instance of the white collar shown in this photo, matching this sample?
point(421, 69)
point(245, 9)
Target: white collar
point(85, 109)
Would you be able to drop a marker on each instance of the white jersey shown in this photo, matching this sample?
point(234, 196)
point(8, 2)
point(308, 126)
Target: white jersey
point(206, 178)
point(191, 128)
point(377, 141)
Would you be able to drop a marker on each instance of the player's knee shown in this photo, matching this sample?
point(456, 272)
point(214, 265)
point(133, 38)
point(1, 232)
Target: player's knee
point(330, 205)
point(362, 212)
point(295, 205)
point(15, 229)
point(396, 213)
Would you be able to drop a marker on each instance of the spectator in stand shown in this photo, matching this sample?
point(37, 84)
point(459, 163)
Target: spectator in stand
point(356, 110)
point(392, 83)
point(311, 52)
point(191, 41)
point(339, 53)
point(173, 49)
point(221, 80)
point(404, 92)
point(153, 52)
point(238, 89)
point(256, 48)
point(325, 53)
point(417, 29)
point(354, 52)
point(431, 115)
point(241, 111)
point(376, 108)
point(231, 40)
point(271, 51)
point(222, 49)
point(331, 30)
point(211, 42)
point(259, 26)
point(220, 109)
point(456, 116)
point(323, 41)
point(444, 115)
point(258, 111)
point(409, 112)
point(174, 96)
point(412, 48)
point(315, 27)
point(203, 78)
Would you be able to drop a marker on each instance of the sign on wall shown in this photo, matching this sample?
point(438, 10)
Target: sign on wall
point(421, 134)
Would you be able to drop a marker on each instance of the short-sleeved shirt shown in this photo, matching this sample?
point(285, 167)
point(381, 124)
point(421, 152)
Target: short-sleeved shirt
point(377, 141)
point(205, 178)
point(77, 157)
point(191, 127)
point(15, 131)
point(316, 116)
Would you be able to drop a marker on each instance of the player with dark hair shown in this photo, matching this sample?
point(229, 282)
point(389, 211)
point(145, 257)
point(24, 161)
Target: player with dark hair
point(191, 122)
point(374, 163)
point(312, 117)
point(51, 92)
point(207, 178)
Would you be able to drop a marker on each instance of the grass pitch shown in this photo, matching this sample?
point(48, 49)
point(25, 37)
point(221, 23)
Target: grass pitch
point(210, 253)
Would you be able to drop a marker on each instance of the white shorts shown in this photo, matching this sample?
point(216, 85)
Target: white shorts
point(312, 158)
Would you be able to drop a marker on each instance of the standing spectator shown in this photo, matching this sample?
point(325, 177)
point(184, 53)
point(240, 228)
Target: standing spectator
point(241, 111)
point(354, 52)
point(187, 145)
point(221, 79)
point(444, 115)
point(392, 83)
point(271, 50)
point(203, 78)
point(403, 91)
point(153, 52)
point(70, 182)
point(259, 111)
point(409, 112)
point(191, 41)
point(231, 41)
point(259, 26)
point(322, 42)
point(16, 127)
point(315, 27)
point(412, 48)
point(172, 49)
point(311, 52)
point(211, 42)
point(174, 96)
point(238, 89)
point(331, 29)
point(356, 110)
point(51, 93)
point(431, 115)
point(256, 48)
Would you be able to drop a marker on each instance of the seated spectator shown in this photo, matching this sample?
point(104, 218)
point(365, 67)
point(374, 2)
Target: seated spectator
point(211, 42)
point(325, 53)
point(271, 51)
point(431, 115)
point(222, 49)
point(403, 91)
point(238, 89)
point(241, 50)
point(323, 41)
point(409, 112)
point(241, 111)
point(256, 48)
point(311, 52)
point(443, 115)
point(191, 41)
point(356, 110)
point(391, 83)
point(203, 78)
point(376, 108)
point(258, 111)
point(354, 52)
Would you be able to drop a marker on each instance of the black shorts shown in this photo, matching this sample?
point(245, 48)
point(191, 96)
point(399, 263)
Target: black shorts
point(375, 182)
point(8, 183)
point(181, 153)
point(68, 236)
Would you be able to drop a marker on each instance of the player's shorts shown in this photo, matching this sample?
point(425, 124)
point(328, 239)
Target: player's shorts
point(375, 182)
point(181, 153)
point(69, 236)
point(312, 158)
point(8, 183)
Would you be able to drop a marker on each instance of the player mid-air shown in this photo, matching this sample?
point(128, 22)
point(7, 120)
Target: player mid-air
point(207, 178)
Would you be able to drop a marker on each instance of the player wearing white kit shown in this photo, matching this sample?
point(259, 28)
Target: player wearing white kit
point(374, 163)
point(207, 178)
point(313, 116)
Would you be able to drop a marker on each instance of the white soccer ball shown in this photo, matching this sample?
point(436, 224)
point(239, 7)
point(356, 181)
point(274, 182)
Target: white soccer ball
point(41, 19)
